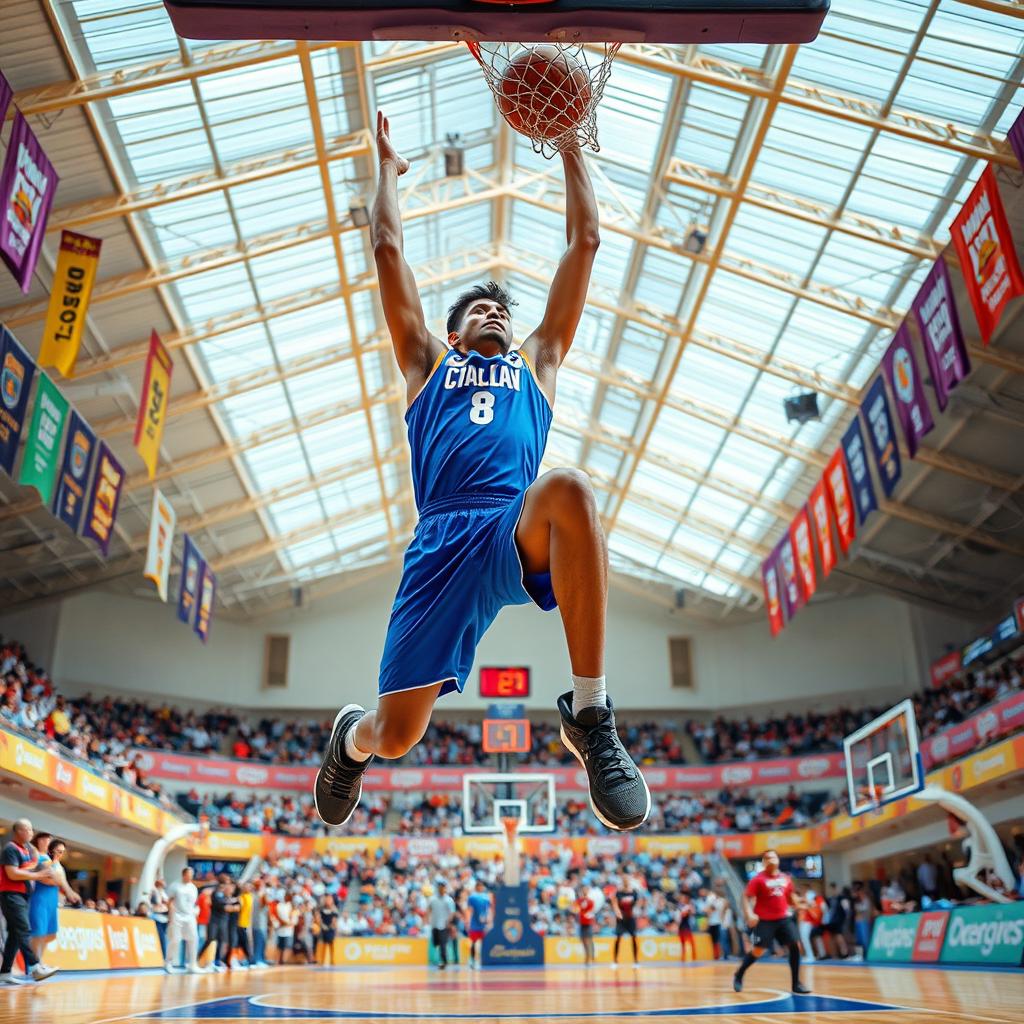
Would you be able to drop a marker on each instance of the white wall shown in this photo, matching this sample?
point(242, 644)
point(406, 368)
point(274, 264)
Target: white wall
point(831, 650)
point(36, 628)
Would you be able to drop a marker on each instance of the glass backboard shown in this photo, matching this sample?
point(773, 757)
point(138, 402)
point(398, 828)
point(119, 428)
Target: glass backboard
point(488, 798)
point(883, 762)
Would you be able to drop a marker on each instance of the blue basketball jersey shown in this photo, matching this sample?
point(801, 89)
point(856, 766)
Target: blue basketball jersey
point(479, 426)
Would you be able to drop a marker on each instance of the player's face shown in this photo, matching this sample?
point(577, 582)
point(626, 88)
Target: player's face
point(770, 861)
point(486, 328)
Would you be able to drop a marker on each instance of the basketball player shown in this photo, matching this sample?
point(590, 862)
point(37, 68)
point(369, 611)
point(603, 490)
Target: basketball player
point(624, 905)
point(770, 919)
point(478, 919)
point(586, 910)
point(490, 533)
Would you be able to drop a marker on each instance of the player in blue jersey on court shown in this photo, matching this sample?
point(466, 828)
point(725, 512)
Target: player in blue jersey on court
point(490, 533)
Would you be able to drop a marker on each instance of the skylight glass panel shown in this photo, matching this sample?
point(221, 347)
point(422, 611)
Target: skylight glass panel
point(311, 263)
point(698, 367)
point(249, 411)
point(331, 443)
point(750, 312)
point(632, 111)
point(844, 65)
point(193, 225)
point(215, 292)
point(236, 352)
point(263, 207)
point(296, 513)
point(309, 330)
point(712, 120)
point(692, 439)
point(273, 464)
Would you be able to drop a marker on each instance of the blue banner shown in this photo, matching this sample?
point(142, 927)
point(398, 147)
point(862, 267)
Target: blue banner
point(860, 475)
point(511, 941)
point(74, 472)
point(16, 372)
point(878, 417)
point(191, 576)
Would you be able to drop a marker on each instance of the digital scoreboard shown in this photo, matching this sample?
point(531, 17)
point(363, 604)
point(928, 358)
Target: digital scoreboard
point(511, 682)
point(506, 736)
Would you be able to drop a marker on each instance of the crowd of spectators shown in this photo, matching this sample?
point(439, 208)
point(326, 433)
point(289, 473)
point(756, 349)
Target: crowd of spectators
point(105, 731)
point(440, 814)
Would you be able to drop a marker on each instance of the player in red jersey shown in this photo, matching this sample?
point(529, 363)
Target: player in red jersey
point(586, 909)
point(770, 919)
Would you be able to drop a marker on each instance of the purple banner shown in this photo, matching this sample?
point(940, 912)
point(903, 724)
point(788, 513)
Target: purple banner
point(785, 567)
point(1015, 137)
point(943, 340)
point(6, 92)
point(104, 497)
point(900, 368)
point(16, 372)
point(74, 472)
point(192, 565)
point(860, 475)
point(883, 435)
point(27, 186)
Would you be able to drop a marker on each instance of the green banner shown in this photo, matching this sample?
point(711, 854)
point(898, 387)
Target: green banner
point(893, 937)
point(989, 934)
point(42, 450)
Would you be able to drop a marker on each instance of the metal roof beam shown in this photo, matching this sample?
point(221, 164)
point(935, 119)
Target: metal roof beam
point(262, 168)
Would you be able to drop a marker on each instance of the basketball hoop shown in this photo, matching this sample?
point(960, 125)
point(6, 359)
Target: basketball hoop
point(556, 112)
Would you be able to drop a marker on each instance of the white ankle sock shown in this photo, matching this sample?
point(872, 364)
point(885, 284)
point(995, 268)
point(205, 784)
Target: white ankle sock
point(351, 750)
point(588, 693)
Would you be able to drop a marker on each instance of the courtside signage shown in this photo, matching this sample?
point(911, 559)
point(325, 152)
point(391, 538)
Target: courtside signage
point(931, 930)
point(992, 934)
point(894, 938)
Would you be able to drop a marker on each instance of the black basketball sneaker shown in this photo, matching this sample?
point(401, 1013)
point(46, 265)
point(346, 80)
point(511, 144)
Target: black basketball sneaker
point(618, 792)
point(339, 783)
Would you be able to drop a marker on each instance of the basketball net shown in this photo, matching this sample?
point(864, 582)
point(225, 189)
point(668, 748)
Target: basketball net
point(494, 60)
point(511, 826)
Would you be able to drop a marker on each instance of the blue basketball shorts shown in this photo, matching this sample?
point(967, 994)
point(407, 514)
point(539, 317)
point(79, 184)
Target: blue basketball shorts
point(461, 568)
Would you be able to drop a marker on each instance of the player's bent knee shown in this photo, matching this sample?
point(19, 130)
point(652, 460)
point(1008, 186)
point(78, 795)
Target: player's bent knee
point(570, 490)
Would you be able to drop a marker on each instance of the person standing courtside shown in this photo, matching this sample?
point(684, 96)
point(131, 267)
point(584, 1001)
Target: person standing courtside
point(624, 905)
point(478, 919)
point(771, 920)
point(20, 870)
point(442, 910)
point(182, 927)
point(586, 910)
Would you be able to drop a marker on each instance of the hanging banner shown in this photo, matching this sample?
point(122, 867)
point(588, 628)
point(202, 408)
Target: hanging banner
point(800, 538)
point(1015, 137)
point(27, 185)
point(161, 539)
point(191, 570)
point(837, 480)
point(900, 368)
point(982, 238)
point(156, 392)
point(6, 92)
point(792, 589)
point(883, 435)
point(16, 372)
point(101, 508)
point(42, 449)
point(860, 475)
point(772, 596)
point(208, 593)
point(939, 322)
point(77, 260)
point(819, 506)
point(74, 472)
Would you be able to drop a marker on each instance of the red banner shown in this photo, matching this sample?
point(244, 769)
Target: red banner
point(988, 260)
point(837, 480)
point(662, 778)
point(819, 507)
point(988, 724)
point(800, 537)
point(945, 668)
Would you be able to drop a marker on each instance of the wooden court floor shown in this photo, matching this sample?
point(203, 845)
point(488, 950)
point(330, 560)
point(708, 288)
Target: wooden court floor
point(842, 995)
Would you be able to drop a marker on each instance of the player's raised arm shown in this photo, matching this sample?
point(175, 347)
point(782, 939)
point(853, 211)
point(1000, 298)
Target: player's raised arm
point(550, 342)
point(415, 347)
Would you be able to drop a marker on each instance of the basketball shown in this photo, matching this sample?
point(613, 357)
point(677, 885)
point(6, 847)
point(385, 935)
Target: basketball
point(544, 92)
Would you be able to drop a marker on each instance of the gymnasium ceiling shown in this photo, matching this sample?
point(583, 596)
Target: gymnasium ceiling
point(221, 176)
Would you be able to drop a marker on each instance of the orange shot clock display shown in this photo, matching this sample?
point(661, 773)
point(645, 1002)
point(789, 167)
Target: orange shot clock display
point(505, 682)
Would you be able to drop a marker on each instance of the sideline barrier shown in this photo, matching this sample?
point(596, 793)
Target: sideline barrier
point(660, 949)
point(988, 933)
point(87, 941)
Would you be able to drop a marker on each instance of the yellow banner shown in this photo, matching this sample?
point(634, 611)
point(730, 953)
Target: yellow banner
point(87, 941)
point(389, 951)
point(156, 393)
point(73, 279)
